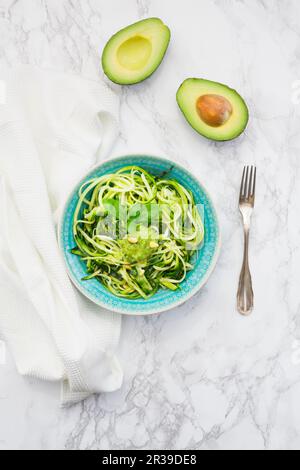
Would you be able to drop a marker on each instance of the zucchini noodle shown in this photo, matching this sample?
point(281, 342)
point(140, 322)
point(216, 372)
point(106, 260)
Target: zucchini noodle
point(136, 232)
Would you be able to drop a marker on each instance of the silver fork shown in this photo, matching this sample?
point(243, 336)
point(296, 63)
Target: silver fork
point(246, 204)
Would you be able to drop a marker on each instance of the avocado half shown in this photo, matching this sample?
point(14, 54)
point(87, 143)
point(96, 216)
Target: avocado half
point(135, 52)
point(212, 109)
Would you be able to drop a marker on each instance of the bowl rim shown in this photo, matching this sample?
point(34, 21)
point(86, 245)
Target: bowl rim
point(156, 310)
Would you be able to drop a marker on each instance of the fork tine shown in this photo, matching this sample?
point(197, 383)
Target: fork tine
point(249, 192)
point(246, 182)
point(242, 183)
point(254, 182)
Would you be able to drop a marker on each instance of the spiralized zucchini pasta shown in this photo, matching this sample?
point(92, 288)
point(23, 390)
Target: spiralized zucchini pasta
point(136, 232)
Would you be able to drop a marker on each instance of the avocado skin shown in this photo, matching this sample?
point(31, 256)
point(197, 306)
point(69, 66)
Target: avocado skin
point(106, 68)
point(233, 92)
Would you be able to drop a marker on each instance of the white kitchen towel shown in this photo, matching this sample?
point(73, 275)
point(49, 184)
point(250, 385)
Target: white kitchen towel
point(53, 127)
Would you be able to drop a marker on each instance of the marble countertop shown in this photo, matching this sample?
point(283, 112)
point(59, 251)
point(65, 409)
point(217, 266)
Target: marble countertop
point(201, 376)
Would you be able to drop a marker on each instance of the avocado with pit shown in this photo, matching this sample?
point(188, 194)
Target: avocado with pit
point(134, 53)
point(214, 110)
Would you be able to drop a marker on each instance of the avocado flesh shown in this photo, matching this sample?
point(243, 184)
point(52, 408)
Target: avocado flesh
point(230, 124)
point(135, 52)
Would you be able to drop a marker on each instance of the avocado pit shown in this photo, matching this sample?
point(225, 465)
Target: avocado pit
point(214, 110)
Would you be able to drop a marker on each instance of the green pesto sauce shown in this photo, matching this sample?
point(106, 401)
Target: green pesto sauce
point(138, 252)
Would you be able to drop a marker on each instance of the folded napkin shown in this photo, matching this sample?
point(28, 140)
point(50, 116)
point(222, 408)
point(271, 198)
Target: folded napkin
point(53, 127)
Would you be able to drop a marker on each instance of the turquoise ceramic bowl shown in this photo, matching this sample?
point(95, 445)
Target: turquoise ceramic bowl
point(164, 299)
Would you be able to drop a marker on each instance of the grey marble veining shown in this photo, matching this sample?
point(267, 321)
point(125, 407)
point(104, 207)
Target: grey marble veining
point(201, 376)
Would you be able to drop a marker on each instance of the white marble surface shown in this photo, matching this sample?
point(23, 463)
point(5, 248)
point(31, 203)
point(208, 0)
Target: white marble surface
point(200, 376)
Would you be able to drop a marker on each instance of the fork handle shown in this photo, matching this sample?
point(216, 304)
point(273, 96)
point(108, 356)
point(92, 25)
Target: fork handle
point(245, 292)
